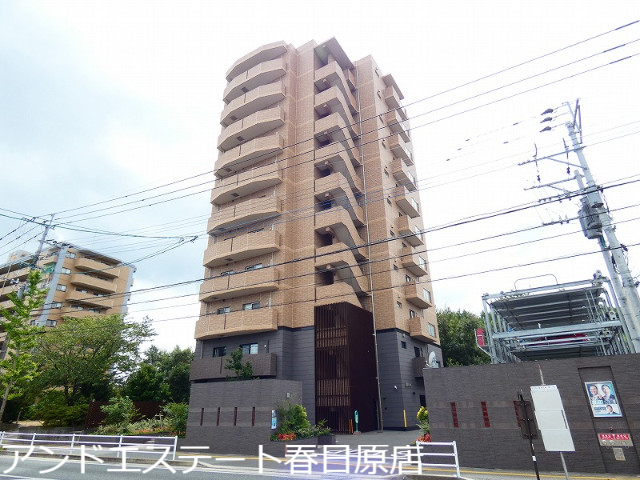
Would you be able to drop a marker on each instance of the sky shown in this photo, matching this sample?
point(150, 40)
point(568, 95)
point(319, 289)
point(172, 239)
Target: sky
point(109, 117)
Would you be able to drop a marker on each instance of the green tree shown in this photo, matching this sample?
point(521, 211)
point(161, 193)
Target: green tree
point(243, 371)
point(177, 414)
point(119, 412)
point(18, 367)
point(458, 338)
point(146, 385)
point(83, 354)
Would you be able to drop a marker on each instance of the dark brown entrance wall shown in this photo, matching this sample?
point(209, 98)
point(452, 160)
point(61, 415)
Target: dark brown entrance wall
point(475, 407)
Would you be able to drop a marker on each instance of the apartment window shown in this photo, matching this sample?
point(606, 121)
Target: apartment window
point(51, 323)
point(62, 288)
point(249, 349)
point(223, 310)
point(427, 295)
point(253, 267)
point(408, 278)
point(415, 204)
point(395, 267)
point(81, 290)
point(228, 272)
point(66, 270)
point(403, 345)
point(412, 314)
point(379, 94)
point(432, 329)
point(399, 304)
point(251, 306)
point(422, 262)
point(94, 310)
point(416, 352)
point(389, 201)
point(219, 351)
point(257, 230)
point(391, 233)
point(77, 307)
point(56, 305)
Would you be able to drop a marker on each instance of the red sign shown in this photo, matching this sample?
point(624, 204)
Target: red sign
point(614, 436)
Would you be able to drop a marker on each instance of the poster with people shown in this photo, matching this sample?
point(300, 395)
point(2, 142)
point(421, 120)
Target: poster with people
point(603, 399)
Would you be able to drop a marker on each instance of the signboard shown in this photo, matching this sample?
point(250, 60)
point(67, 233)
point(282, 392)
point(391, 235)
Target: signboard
point(551, 419)
point(615, 439)
point(603, 399)
point(274, 420)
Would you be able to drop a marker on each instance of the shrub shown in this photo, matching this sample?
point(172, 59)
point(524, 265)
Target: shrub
point(53, 410)
point(423, 420)
point(119, 412)
point(176, 417)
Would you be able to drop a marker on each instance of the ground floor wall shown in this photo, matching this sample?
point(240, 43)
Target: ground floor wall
point(475, 407)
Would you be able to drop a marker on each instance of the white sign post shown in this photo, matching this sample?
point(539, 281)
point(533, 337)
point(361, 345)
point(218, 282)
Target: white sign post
point(552, 421)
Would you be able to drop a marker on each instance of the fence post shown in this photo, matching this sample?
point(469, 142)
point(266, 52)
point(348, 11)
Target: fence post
point(33, 439)
point(119, 446)
point(455, 453)
point(73, 441)
point(2, 437)
point(175, 446)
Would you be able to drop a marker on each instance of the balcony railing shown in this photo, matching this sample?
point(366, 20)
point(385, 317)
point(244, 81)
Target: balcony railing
point(403, 175)
point(246, 183)
point(338, 223)
point(409, 232)
point(89, 299)
point(248, 154)
point(407, 204)
point(240, 284)
point(258, 99)
point(255, 57)
point(335, 293)
point(332, 75)
point(412, 262)
point(100, 268)
point(341, 260)
point(212, 368)
point(400, 149)
point(415, 294)
point(237, 323)
point(419, 327)
point(244, 213)
point(251, 127)
point(262, 74)
point(242, 247)
point(336, 189)
point(92, 283)
point(397, 124)
point(332, 100)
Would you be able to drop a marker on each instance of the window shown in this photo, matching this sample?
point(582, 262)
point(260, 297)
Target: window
point(66, 270)
point(412, 314)
point(56, 305)
point(391, 233)
point(422, 262)
point(78, 307)
point(389, 201)
point(228, 272)
point(386, 172)
point(408, 278)
point(395, 267)
point(253, 267)
point(251, 306)
point(257, 230)
point(427, 295)
point(94, 310)
point(223, 310)
point(62, 288)
point(417, 352)
point(432, 329)
point(379, 94)
point(81, 290)
point(415, 204)
point(51, 323)
point(399, 304)
point(403, 345)
point(70, 255)
point(249, 349)
point(219, 351)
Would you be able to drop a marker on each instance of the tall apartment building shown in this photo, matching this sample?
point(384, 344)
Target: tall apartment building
point(316, 266)
point(80, 282)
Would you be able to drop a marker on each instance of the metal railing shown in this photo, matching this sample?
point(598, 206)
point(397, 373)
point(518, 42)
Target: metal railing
point(442, 448)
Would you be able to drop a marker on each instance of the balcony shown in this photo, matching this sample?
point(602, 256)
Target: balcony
point(406, 203)
point(335, 188)
point(341, 260)
point(100, 268)
point(19, 274)
point(240, 284)
point(341, 164)
point(338, 292)
point(346, 146)
point(242, 247)
point(332, 75)
point(251, 127)
point(412, 262)
point(419, 327)
point(259, 55)
point(397, 125)
point(4, 291)
point(414, 294)
point(89, 299)
point(391, 97)
point(262, 74)
point(410, 233)
point(401, 173)
point(249, 103)
point(338, 223)
point(263, 364)
point(400, 149)
point(248, 154)
point(246, 183)
point(249, 211)
point(332, 100)
point(333, 128)
point(237, 323)
point(92, 283)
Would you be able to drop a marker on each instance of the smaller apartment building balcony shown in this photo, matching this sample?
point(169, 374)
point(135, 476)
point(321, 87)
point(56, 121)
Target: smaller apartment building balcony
point(85, 298)
point(259, 55)
point(4, 291)
point(242, 247)
point(400, 149)
point(262, 74)
point(92, 283)
point(413, 262)
point(337, 222)
point(334, 190)
point(240, 284)
point(425, 328)
point(251, 102)
point(339, 147)
point(332, 101)
point(405, 202)
point(397, 124)
point(409, 232)
point(212, 368)
point(87, 264)
point(391, 97)
point(237, 323)
point(248, 154)
point(242, 213)
point(402, 174)
point(333, 128)
point(246, 183)
point(251, 127)
point(339, 259)
point(341, 163)
point(417, 295)
point(331, 75)
point(19, 274)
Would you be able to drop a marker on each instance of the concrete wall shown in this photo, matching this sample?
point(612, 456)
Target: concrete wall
point(501, 445)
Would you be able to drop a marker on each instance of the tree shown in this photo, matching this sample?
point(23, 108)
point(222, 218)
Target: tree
point(18, 367)
point(243, 371)
point(458, 338)
point(119, 412)
point(146, 385)
point(83, 354)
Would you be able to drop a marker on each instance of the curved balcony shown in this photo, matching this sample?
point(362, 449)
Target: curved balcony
point(337, 222)
point(332, 75)
point(251, 127)
point(339, 147)
point(410, 233)
point(263, 364)
point(402, 174)
point(19, 274)
point(406, 203)
point(338, 292)
point(340, 259)
point(242, 247)
point(249, 103)
point(100, 268)
point(246, 183)
point(414, 294)
point(7, 290)
point(89, 299)
point(397, 124)
point(413, 262)
point(400, 149)
point(243, 213)
point(333, 128)
point(341, 164)
point(240, 284)
point(332, 100)
point(237, 323)
point(248, 154)
point(419, 327)
point(92, 283)
point(262, 74)
point(336, 188)
point(255, 57)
